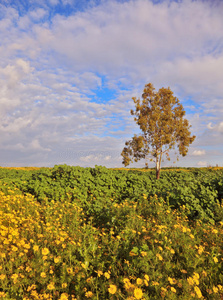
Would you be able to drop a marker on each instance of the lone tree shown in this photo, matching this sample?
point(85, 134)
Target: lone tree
point(161, 119)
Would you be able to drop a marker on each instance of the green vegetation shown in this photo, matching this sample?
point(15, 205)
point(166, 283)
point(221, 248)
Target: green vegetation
point(96, 233)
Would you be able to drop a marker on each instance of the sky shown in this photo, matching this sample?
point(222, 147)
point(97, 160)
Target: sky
point(69, 70)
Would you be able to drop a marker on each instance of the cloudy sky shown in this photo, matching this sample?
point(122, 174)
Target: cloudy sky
point(69, 70)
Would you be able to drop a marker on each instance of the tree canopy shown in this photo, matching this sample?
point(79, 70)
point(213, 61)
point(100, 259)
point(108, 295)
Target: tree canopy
point(160, 117)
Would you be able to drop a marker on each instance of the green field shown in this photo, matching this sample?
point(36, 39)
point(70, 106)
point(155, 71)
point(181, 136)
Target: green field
point(98, 233)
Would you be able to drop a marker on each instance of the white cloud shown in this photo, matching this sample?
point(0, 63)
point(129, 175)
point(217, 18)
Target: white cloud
point(202, 164)
point(51, 71)
point(198, 152)
point(217, 127)
point(38, 14)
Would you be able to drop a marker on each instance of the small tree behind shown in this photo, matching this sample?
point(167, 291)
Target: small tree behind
point(161, 119)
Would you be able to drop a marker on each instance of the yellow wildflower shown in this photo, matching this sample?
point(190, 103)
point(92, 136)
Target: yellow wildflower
point(139, 281)
point(89, 294)
point(2, 276)
point(70, 270)
point(99, 273)
point(45, 251)
point(138, 293)
point(51, 286)
point(35, 248)
point(14, 277)
point(172, 280)
point(198, 292)
point(200, 249)
point(173, 289)
point(190, 281)
point(159, 256)
point(56, 259)
point(43, 274)
point(196, 278)
point(146, 277)
point(215, 259)
point(107, 275)
point(112, 289)
point(64, 296)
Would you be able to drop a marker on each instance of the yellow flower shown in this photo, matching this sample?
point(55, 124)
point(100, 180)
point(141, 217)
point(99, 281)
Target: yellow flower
point(64, 296)
point(112, 289)
point(2, 294)
point(64, 285)
point(35, 248)
point(190, 281)
point(14, 248)
point(107, 275)
point(126, 280)
point(89, 279)
point(70, 270)
point(89, 294)
point(56, 260)
point(196, 278)
point(26, 246)
point(139, 281)
point(172, 280)
point(99, 273)
point(215, 289)
point(159, 256)
point(198, 292)
point(15, 277)
point(45, 251)
point(138, 293)
point(51, 286)
point(215, 259)
point(43, 274)
point(146, 277)
point(173, 289)
point(200, 249)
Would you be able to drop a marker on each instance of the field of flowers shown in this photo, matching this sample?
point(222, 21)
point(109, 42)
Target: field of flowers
point(142, 249)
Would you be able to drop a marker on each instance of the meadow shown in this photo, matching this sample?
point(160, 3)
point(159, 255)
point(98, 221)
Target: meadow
point(97, 233)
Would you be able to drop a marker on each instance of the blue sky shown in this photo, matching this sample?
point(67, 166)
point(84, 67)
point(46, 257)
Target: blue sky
point(69, 70)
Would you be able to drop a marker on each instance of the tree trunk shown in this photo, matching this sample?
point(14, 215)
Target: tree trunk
point(157, 168)
point(158, 164)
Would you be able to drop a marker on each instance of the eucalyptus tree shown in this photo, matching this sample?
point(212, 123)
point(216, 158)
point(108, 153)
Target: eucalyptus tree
point(162, 121)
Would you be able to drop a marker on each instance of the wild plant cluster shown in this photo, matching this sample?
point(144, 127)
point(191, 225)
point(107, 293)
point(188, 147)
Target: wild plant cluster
point(81, 247)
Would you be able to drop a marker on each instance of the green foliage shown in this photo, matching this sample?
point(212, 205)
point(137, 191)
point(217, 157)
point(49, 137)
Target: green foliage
point(200, 191)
